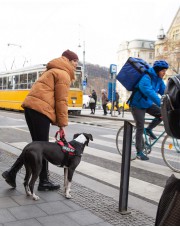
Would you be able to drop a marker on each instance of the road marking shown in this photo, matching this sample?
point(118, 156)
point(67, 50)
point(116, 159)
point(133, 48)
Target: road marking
point(19, 145)
point(155, 154)
point(14, 119)
point(148, 166)
point(15, 126)
point(136, 186)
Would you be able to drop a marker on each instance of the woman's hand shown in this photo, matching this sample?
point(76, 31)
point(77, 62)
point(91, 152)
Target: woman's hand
point(62, 133)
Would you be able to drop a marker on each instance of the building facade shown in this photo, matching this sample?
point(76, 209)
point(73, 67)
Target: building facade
point(138, 48)
point(168, 46)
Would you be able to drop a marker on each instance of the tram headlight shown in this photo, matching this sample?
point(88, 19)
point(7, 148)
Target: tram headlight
point(74, 99)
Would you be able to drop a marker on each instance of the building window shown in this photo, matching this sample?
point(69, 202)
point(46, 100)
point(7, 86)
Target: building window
point(176, 35)
point(151, 56)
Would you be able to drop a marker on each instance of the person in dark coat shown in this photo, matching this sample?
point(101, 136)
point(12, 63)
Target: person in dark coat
point(93, 101)
point(104, 101)
point(116, 103)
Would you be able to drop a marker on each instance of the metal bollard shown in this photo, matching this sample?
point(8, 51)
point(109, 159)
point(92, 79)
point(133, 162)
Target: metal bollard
point(125, 168)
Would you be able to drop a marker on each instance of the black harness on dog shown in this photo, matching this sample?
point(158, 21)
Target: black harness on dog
point(70, 149)
point(66, 147)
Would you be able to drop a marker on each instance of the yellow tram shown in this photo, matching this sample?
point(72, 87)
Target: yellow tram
point(15, 85)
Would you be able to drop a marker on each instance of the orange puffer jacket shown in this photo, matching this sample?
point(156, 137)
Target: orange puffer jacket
point(49, 94)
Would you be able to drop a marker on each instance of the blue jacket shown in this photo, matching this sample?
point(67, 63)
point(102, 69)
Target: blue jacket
point(149, 88)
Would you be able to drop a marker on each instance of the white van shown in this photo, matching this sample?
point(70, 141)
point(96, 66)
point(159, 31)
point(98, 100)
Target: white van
point(86, 101)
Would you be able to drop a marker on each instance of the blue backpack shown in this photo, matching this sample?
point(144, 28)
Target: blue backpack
point(132, 72)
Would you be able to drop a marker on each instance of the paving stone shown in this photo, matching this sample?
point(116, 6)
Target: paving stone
point(55, 207)
point(26, 200)
point(27, 212)
point(6, 202)
point(57, 220)
point(84, 217)
point(8, 192)
point(6, 216)
point(102, 224)
point(50, 196)
point(28, 222)
point(73, 205)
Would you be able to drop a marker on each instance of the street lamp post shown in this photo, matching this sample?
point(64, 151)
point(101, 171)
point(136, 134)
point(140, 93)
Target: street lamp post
point(84, 66)
point(84, 60)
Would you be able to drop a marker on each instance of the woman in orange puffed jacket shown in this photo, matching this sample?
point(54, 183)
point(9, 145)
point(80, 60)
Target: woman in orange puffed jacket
point(47, 103)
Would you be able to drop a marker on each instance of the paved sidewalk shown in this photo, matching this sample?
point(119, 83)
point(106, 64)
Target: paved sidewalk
point(87, 207)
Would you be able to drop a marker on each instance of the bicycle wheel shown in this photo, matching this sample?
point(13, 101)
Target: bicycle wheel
point(119, 142)
point(171, 153)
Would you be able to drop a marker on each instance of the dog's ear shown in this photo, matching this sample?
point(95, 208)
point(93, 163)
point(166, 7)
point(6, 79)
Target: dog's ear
point(88, 136)
point(76, 135)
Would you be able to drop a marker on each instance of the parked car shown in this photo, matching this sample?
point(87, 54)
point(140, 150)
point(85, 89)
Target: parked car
point(86, 99)
point(122, 105)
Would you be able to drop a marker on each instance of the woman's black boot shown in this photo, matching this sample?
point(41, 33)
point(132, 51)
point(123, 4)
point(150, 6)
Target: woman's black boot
point(44, 183)
point(10, 174)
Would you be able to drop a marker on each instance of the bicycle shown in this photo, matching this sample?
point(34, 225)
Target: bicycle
point(170, 147)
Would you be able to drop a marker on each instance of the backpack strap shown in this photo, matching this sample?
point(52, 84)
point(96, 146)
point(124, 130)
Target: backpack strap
point(132, 95)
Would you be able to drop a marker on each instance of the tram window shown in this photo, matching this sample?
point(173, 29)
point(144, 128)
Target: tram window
point(31, 78)
point(23, 81)
point(4, 83)
point(77, 82)
point(16, 81)
point(10, 82)
point(1, 83)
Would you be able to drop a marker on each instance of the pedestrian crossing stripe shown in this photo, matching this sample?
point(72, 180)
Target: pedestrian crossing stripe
point(136, 186)
point(148, 166)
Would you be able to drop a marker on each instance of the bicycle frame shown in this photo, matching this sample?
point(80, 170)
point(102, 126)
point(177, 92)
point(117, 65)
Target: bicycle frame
point(176, 145)
point(149, 145)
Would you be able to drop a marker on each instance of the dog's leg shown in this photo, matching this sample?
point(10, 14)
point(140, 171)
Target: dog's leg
point(35, 175)
point(65, 178)
point(67, 193)
point(69, 180)
point(26, 181)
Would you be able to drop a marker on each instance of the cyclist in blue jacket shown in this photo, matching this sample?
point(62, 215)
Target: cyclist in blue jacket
point(145, 99)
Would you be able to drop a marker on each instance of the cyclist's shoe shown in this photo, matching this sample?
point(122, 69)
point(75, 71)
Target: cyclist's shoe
point(142, 156)
point(150, 133)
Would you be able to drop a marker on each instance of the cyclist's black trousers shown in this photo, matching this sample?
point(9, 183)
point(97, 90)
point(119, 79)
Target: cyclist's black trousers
point(139, 115)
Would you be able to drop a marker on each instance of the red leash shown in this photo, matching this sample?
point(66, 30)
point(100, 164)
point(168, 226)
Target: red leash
point(61, 135)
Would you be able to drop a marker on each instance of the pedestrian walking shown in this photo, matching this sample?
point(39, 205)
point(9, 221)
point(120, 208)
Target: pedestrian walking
point(93, 101)
point(47, 103)
point(104, 101)
point(116, 103)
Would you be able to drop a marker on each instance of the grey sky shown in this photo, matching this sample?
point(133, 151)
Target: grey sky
point(45, 28)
